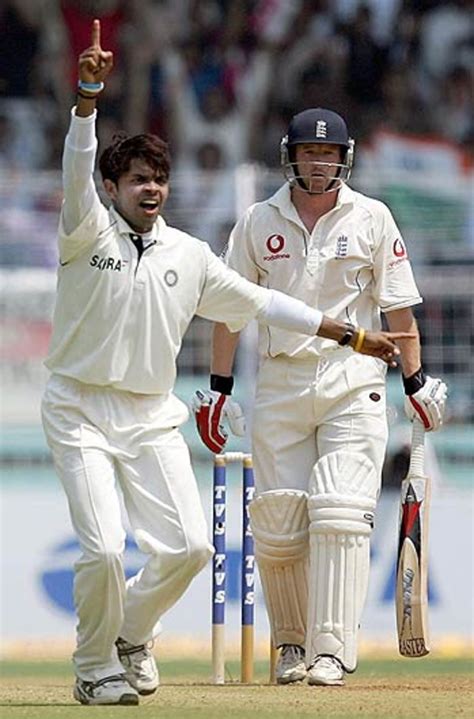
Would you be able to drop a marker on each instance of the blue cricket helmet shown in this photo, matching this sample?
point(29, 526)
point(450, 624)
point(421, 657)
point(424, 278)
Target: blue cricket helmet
point(321, 126)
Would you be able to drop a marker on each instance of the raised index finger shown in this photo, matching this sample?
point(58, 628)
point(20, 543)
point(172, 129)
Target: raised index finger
point(95, 33)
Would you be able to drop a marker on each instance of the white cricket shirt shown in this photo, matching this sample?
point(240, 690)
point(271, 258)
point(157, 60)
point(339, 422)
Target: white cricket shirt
point(119, 321)
point(352, 266)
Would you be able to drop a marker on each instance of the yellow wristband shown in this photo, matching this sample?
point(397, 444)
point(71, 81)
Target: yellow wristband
point(360, 339)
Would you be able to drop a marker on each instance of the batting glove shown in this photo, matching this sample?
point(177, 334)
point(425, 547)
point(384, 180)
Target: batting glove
point(425, 400)
point(210, 409)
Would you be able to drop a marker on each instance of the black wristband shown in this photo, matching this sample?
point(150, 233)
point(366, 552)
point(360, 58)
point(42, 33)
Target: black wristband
point(222, 384)
point(414, 382)
point(348, 335)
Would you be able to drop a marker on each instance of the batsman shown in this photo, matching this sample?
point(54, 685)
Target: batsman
point(319, 425)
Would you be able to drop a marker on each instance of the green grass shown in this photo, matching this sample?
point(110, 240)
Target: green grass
point(384, 689)
point(176, 670)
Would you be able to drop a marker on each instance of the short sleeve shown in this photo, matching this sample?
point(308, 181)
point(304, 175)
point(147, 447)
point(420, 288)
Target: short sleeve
point(395, 286)
point(239, 254)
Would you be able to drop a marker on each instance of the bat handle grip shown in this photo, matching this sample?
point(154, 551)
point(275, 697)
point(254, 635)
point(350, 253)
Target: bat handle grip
point(417, 455)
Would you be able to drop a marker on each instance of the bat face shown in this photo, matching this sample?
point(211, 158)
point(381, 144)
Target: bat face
point(412, 574)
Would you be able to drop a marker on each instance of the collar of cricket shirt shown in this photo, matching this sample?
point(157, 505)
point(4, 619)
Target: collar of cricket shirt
point(282, 199)
point(156, 234)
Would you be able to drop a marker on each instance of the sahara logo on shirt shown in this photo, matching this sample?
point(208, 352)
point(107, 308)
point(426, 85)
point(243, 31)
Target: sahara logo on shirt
point(275, 245)
point(107, 263)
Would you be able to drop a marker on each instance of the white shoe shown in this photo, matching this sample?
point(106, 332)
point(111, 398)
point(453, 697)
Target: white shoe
point(290, 666)
point(326, 671)
point(110, 690)
point(140, 666)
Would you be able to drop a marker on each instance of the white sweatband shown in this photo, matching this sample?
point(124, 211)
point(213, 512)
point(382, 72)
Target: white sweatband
point(291, 314)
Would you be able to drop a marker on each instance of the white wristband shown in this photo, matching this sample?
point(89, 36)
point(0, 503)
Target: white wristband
point(291, 314)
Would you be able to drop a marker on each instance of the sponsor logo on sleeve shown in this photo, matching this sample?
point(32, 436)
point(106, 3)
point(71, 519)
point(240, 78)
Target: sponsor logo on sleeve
point(400, 252)
point(399, 249)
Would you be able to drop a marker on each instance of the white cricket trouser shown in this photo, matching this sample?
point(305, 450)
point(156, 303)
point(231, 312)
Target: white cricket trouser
point(307, 409)
point(101, 438)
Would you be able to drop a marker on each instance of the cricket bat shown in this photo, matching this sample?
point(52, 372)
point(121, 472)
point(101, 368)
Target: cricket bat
point(412, 557)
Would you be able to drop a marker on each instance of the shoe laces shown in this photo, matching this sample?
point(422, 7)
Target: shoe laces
point(88, 687)
point(126, 649)
point(291, 654)
point(136, 656)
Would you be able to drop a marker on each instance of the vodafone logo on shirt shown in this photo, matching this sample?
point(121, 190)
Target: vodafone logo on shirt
point(399, 248)
point(275, 245)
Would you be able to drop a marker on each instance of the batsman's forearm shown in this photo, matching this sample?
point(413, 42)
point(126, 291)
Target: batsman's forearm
point(224, 346)
point(410, 351)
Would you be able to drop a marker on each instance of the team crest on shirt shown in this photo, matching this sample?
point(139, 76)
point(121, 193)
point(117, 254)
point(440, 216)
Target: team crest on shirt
point(342, 243)
point(171, 278)
point(275, 245)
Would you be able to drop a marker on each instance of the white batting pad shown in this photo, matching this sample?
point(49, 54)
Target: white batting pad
point(343, 491)
point(279, 522)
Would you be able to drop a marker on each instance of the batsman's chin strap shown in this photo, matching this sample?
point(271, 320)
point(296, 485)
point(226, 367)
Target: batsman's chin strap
point(221, 384)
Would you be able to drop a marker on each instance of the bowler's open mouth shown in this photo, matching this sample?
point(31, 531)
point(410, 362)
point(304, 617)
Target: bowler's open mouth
point(149, 205)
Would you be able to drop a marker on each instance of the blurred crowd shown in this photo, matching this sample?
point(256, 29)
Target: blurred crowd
point(219, 79)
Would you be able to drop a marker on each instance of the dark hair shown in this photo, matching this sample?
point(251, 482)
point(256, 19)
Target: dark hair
point(116, 158)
